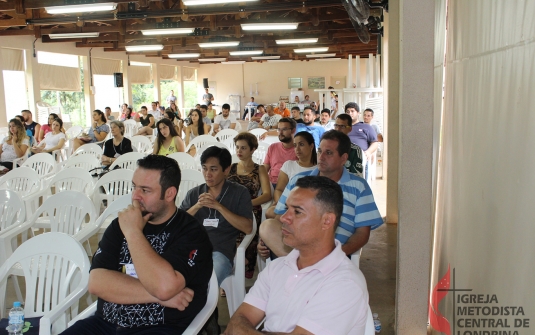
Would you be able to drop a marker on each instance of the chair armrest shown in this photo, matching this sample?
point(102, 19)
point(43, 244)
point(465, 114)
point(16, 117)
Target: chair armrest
point(90, 310)
point(7, 235)
point(45, 324)
point(86, 232)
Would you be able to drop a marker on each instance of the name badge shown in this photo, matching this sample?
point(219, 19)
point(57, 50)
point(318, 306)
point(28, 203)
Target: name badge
point(211, 223)
point(130, 270)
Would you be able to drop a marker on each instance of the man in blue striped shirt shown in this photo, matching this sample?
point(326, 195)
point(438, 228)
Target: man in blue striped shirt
point(360, 213)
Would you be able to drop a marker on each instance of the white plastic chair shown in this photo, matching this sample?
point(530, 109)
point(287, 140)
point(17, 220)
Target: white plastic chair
point(185, 161)
point(12, 211)
point(19, 161)
point(72, 179)
point(235, 159)
point(200, 141)
point(86, 162)
point(194, 327)
point(71, 134)
point(115, 184)
point(89, 149)
point(44, 164)
point(127, 161)
point(355, 257)
point(26, 182)
point(260, 153)
point(142, 144)
point(229, 142)
point(189, 180)
point(370, 327)
point(258, 132)
point(225, 134)
point(130, 128)
point(234, 285)
point(56, 272)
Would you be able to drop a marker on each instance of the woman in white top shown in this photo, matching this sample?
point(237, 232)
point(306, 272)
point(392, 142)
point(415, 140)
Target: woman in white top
point(54, 140)
point(196, 128)
point(305, 150)
point(15, 145)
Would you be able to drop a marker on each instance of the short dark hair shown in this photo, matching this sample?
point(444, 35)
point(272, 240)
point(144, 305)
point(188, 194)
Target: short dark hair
point(259, 106)
point(204, 106)
point(344, 143)
point(26, 111)
point(307, 107)
point(226, 106)
point(144, 107)
point(352, 105)
point(290, 121)
point(251, 140)
point(326, 110)
point(368, 110)
point(107, 108)
point(296, 108)
point(344, 117)
point(222, 154)
point(329, 194)
point(170, 175)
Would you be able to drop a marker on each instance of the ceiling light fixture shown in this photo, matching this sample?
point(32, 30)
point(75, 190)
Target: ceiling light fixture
point(96, 7)
point(265, 57)
point(279, 60)
point(269, 26)
point(170, 31)
point(139, 64)
point(148, 47)
point(212, 59)
point(233, 62)
point(311, 50)
point(297, 41)
point(246, 52)
point(328, 59)
point(219, 44)
point(210, 2)
point(72, 35)
point(184, 55)
point(321, 55)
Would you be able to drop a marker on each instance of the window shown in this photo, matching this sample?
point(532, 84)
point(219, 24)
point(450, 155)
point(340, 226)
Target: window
point(15, 92)
point(106, 94)
point(295, 82)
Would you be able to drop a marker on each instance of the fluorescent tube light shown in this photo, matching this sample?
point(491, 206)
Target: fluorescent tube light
point(139, 64)
point(279, 60)
point(321, 55)
point(210, 2)
point(246, 53)
point(212, 59)
point(327, 59)
point(170, 31)
point(233, 62)
point(297, 41)
point(72, 35)
point(325, 49)
point(149, 47)
point(269, 26)
point(96, 7)
point(219, 44)
point(183, 55)
point(265, 57)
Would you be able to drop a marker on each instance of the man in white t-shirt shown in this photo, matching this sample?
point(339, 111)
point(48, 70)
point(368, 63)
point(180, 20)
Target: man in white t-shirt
point(171, 98)
point(270, 120)
point(224, 120)
point(156, 113)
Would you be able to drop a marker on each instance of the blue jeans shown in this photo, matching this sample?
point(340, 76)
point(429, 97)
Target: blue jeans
point(222, 266)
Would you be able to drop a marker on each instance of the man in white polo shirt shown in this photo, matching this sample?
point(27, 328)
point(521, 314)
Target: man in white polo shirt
point(315, 289)
point(224, 120)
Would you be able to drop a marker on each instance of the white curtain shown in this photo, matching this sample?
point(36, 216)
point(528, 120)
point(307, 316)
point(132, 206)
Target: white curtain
point(188, 73)
point(139, 74)
point(485, 210)
point(167, 72)
point(12, 59)
point(59, 78)
point(105, 66)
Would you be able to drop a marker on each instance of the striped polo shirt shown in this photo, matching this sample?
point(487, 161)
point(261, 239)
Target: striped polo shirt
point(360, 209)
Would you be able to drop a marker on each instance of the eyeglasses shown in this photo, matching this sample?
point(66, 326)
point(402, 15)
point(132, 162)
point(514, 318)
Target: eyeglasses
point(283, 129)
point(341, 126)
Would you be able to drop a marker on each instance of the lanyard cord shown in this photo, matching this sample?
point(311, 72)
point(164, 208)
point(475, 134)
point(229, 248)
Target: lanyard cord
point(215, 211)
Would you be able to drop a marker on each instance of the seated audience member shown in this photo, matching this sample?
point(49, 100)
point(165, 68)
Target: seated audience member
point(305, 150)
point(282, 151)
point(98, 131)
point(194, 129)
point(146, 258)
point(155, 111)
point(256, 179)
point(354, 159)
point(14, 145)
point(205, 118)
point(124, 108)
point(314, 106)
point(225, 120)
point(46, 128)
point(325, 120)
point(296, 99)
point(252, 105)
point(362, 134)
point(148, 122)
point(223, 207)
point(269, 120)
point(117, 145)
point(210, 111)
point(256, 118)
point(307, 100)
point(198, 106)
point(167, 141)
point(107, 112)
point(315, 289)
point(28, 131)
point(282, 110)
point(33, 126)
point(296, 114)
point(54, 140)
point(174, 108)
point(177, 123)
point(309, 126)
point(360, 211)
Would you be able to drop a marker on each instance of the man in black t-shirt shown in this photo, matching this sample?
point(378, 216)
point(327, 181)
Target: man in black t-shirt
point(153, 265)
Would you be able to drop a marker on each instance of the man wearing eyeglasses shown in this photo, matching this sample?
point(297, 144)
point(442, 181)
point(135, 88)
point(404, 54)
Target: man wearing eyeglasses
point(354, 160)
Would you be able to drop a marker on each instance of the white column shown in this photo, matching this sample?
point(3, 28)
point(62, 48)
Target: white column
point(357, 71)
point(32, 80)
point(156, 81)
point(3, 107)
point(180, 92)
point(89, 96)
point(349, 80)
point(127, 87)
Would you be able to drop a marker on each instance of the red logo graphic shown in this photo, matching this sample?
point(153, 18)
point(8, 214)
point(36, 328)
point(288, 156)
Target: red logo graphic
point(436, 319)
point(192, 255)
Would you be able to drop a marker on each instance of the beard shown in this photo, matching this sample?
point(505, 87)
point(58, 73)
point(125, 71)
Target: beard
point(285, 139)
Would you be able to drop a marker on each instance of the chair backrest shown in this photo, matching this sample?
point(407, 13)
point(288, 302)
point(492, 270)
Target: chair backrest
point(44, 164)
point(86, 162)
point(130, 128)
point(225, 134)
point(12, 209)
point(115, 184)
point(202, 317)
point(190, 179)
point(258, 132)
point(67, 211)
point(128, 160)
point(113, 209)
point(261, 152)
point(73, 131)
point(56, 271)
point(141, 143)
point(201, 148)
point(185, 160)
point(73, 179)
point(89, 149)
point(229, 142)
point(23, 180)
point(235, 159)
point(200, 140)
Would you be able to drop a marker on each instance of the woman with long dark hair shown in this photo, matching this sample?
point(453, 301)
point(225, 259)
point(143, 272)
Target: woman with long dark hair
point(167, 141)
point(196, 128)
point(98, 131)
point(177, 123)
point(46, 128)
